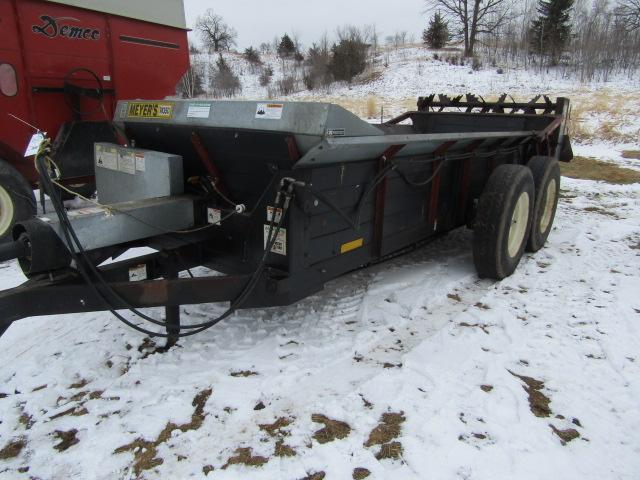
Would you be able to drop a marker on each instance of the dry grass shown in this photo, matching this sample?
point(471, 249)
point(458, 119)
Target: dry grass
point(145, 450)
point(315, 476)
point(282, 450)
point(360, 473)
point(538, 401)
point(244, 456)
point(333, 429)
point(631, 154)
point(67, 439)
point(372, 108)
point(12, 449)
point(565, 435)
point(276, 429)
point(592, 169)
point(391, 450)
point(243, 373)
point(388, 429)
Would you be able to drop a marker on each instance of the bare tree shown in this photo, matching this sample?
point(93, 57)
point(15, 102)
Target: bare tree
point(629, 12)
point(191, 84)
point(474, 17)
point(214, 32)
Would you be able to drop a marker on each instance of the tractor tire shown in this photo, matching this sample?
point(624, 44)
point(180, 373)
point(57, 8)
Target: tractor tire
point(503, 221)
point(17, 201)
point(546, 177)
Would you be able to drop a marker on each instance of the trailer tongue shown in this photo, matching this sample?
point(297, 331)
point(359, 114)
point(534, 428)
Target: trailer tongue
point(281, 197)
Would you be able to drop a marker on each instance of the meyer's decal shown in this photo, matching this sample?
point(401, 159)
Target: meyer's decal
point(150, 110)
point(52, 27)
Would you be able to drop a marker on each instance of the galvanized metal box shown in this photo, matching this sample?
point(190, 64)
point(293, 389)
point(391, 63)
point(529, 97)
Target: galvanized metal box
point(126, 174)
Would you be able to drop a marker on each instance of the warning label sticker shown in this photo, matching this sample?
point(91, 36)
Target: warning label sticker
point(140, 162)
point(150, 110)
point(199, 110)
point(270, 216)
point(106, 157)
point(138, 273)
point(214, 216)
point(269, 111)
point(127, 162)
point(280, 245)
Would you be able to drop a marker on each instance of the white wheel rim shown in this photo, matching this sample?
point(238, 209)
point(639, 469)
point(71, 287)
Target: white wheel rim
point(6, 210)
point(549, 201)
point(518, 226)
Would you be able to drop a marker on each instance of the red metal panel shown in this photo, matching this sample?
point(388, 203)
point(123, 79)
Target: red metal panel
point(44, 41)
point(13, 134)
point(147, 63)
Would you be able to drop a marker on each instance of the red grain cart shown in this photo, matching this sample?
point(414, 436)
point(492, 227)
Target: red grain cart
point(63, 67)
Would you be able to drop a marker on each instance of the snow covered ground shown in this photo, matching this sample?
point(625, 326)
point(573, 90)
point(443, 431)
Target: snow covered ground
point(410, 369)
point(480, 374)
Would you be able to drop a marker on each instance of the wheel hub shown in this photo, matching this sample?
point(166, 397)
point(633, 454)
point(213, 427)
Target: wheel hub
point(518, 226)
point(549, 201)
point(6, 210)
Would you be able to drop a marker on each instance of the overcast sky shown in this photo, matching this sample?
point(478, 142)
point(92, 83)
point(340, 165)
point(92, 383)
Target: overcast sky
point(259, 21)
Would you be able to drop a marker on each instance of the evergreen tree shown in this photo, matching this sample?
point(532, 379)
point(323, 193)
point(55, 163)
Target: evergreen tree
point(223, 81)
point(252, 56)
point(552, 29)
point(348, 59)
point(286, 48)
point(437, 35)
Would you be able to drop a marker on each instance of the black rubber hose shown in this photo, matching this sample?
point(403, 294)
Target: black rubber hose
point(82, 262)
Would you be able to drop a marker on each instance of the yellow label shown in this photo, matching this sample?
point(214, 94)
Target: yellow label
point(347, 247)
point(150, 110)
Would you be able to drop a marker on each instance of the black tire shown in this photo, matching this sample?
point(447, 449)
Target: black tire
point(16, 200)
point(546, 177)
point(498, 240)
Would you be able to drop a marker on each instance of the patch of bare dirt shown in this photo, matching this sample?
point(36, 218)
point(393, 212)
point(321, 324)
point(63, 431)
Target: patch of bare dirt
point(67, 439)
point(591, 169)
point(12, 449)
point(244, 456)
point(565, 435)
point(360, 473)
point(333, 429)
point(538, 401)
point(276, 429)
point(454, 296)
point(145, 450)
point(486, 388)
